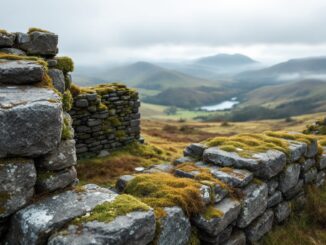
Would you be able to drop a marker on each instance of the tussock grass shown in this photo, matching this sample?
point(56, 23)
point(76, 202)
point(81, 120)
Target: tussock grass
point(35, 29)
point(4, 32)
point(65, 64)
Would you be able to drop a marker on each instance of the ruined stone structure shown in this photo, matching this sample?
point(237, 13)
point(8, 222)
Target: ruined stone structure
point(39, 203)
point(105, 117)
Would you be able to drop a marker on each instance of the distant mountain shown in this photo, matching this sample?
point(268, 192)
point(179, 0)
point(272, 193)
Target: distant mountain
point(226, 60)
point(292, 70)
point(149, 76)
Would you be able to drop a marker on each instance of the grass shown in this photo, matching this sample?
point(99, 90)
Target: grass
point(211, 212)
point(108, 211)
point(67, 132)
point(305, 228)
point(34, 29)
point(3, 32)
point(160, 190)
point(67, 100)
point(65, 64)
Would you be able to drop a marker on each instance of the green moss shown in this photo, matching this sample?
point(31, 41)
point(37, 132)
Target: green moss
point(28, 58)
point(212, 212)
point(120, 134)
point(67, 100)
point(34, 29)
point(193, 240)
point(160, 190)
point(67, 131)
point(108, 211)
point(68, 82)
point(101, 106)
point(4, 32)
point(65, 64)
point(114, 121)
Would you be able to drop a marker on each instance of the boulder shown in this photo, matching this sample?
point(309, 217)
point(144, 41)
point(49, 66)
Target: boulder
point(35, 223)
point(58, 79)
point(134, 228)
point(38, 43)
point(17, 180)
point(175, 228)
point(260, 226)
point(32, 115)
point(233, 177)
point(308, 164)
point(63, 156)
point(274, 199)
point(20, 72)
point(50, 180)
point(282, 211)
point(7, 39)
point(289, 194)
point(237, 238)
point(122, 182)
point(195, 150)
point(310, 176)
point(14, 51)
point(254, 203)
point(230, 209)
point(289, 177)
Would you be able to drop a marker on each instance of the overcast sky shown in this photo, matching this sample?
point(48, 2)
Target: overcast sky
point(99, 31)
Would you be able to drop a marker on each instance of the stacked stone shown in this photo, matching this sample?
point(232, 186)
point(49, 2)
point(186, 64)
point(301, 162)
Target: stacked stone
point(34, 158)
point(106, 120)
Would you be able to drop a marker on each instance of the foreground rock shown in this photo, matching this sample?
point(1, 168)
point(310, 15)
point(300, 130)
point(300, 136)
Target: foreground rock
point(20, 72)
point(134, 228)
point(17, 179)
point(174, 228)
point(32, 115)
point(58, 79)
point(260, 226)
point(7, 39)
point(35, 223)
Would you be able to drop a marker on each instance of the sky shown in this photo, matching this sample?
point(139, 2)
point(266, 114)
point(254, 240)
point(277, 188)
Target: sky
point(96, 32)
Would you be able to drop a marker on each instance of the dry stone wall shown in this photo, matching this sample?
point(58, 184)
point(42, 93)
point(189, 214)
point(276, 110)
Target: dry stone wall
point(105, 117)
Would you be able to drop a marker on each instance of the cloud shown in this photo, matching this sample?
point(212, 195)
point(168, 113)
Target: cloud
point(124, 29)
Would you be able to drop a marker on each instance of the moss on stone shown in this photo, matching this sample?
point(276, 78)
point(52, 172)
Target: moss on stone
point(35, 29)
point(193, 240)
point(67, 132)
point(4, 32)
point(108, 211)
point(212, 212)
point(27, 58)
point(101, 107)
point(120, 134)
point(160, 190)
point(65, 64)
point(67, 101)
point(114, 121)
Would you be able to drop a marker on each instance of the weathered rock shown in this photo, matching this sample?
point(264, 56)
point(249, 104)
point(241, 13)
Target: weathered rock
point(35, 223)
point(221, 238)
point(320, 179)
point(165, 167)
point(62, 157)
point(186, 174)
point(289, 194)
point(272, 186)
point(321, 163)
point(233, 177)
point(254, 203)
point(312, 149)
point(174, 228)
point(297, 149)
point(230, 209)
point(219, 192)
point(308, 164)
point(264, 165)
point(237, 238)
point(50, 181)
point(195, 150)
point(38, 43)
point(14, 51)
point(58, 79)
point(81, 103)
point(7, 39)
point(274, 199)
point(298, 202)
point(183, 160)
point(123, 181)
point(289, 177)
point(32, 115)
point(20, 72)
point(134, 228)
point(17, 180)
point(205, 193)
point(310, 176)
point(282, 211)
point(260, 226)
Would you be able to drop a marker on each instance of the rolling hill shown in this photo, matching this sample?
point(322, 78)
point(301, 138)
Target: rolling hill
point(226, 60)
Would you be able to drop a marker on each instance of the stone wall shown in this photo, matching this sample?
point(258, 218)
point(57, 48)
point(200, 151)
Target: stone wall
point(105, 117)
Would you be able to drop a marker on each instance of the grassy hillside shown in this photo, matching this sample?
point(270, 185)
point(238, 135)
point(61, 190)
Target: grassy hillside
point(226, 60)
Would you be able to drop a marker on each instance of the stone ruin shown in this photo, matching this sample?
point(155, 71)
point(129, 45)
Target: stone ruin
point(40, 204)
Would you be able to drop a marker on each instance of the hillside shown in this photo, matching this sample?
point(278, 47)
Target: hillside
point(226, 60)
point(294, 69)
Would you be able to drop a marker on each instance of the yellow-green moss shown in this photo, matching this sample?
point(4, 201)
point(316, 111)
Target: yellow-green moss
point(44, 175)
point(28, 58)
point(35, 29)
point(114, 121)
point(67, 132)
point(3, 32)
point(65, 64)
point(120, 134)
point(108, 211)
point(160, 190)
point(67, 100)
point(101, 106)
point(212, 212)
point(193, 240)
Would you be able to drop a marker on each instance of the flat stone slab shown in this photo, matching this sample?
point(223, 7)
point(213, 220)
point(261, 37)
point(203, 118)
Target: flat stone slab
point(175, 228)
point(233, 177)
point(260, 226)
point(32, 115)
point(194, 150)
point(17, 180)
point(35, 223)
point(20, 72)
point(274, 199)
point(133, 228)
point(230, 209)
point(264, 165)
point(254, 203)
